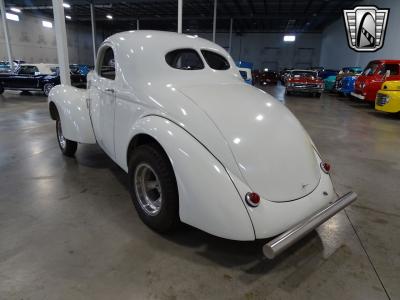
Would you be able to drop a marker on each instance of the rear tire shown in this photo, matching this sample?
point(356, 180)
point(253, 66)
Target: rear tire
point(153, 188)
point(68, 147)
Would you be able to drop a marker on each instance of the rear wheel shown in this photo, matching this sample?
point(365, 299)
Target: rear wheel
point(67, 147)
point(153, 188)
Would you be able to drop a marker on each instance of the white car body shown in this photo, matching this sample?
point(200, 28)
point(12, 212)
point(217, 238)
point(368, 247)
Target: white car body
point(224, 138)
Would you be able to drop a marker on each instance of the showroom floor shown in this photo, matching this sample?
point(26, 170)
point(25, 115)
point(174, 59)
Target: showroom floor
point(68, 229)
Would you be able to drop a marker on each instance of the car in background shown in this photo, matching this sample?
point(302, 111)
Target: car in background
point(5, 66)
point(346, 86)
point(329, 83)
point(283, 75)
point(372, 78)
point(255, 74)
point(345, 72)
point(388, 97)
point(35, 77)
point(268, 77)
point(326, 73)
point(246, 75)
point(80, 69)
point(304, 81)
point(79, 74)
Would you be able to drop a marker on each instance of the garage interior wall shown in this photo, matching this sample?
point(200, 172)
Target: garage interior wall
point(267, 50)
point(32, 42)
point(335, 52)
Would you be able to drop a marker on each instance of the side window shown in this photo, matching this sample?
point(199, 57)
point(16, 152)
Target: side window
point(215, 60)
point(107, 64)
point(28, 70)
point(393, 68)
point(184, 59)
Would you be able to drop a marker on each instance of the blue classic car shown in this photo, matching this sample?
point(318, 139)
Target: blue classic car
point(80, 69)
point(346, 85)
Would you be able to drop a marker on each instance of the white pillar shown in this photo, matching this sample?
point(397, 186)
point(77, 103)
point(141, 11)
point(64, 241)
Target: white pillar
point(215, 20)
point(6, 38)
point(61, 39)
point(93, 21)
point(137, 24)
point(180, 6)
point(230, 36)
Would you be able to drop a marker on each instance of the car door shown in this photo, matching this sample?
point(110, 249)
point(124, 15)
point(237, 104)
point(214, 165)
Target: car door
point(102, 100)
point(25, 78)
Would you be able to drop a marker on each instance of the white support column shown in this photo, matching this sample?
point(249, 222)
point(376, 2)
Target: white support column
point(6, 35)
point(215, 20)
point(93, 21)
point(137, 24)
point(61, 39)
point(230, 36)
point(180, 7)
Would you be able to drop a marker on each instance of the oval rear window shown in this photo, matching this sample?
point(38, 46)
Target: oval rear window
point(215, 60)
point(184, 59)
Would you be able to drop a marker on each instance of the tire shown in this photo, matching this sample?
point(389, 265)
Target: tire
point(68, 147)
point(157, 206)
point(46, 88)
point(1, 89)
point(318, 95)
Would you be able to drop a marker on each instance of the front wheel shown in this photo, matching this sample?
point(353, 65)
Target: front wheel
point(153, 188)
point(47, 88)
point(68, 147)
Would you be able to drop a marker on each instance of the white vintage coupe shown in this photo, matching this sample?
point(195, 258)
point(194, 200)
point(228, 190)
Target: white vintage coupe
point(199, 145)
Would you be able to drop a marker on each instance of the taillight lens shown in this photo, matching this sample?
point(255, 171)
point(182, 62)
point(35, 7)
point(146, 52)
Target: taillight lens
point(252, 199)
point(325, 167)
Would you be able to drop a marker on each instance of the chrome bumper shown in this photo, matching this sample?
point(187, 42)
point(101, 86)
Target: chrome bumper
point(291, 236)
point(361, 97)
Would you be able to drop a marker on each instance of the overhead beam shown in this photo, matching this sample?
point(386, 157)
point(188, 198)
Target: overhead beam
point(215, 20)
point(180, 8)
point(6, 34)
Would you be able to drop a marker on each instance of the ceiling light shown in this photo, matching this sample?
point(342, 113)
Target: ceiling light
point(68, 17)
point(14, 9)
point(47, 24)
point(12, 17)
point(66, 5)
point(110, 17)
point(289, 38)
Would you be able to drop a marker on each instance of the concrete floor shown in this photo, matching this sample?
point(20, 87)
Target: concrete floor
point(68, 229)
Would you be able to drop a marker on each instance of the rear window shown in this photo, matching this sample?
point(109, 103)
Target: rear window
point(215, 61)
point(184, 59)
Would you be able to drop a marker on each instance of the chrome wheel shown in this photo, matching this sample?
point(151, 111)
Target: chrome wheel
point(47, 88)
point(148, 189)
point(61, 139)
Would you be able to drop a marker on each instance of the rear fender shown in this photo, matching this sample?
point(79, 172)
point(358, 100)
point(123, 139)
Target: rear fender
point(73, 113)
point(208, 199)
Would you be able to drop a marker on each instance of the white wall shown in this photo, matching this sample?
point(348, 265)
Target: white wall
point(269, 50)
point(335, 52)
point(32, 42)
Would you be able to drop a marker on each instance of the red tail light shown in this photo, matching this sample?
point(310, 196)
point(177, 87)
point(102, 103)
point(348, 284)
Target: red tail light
point(252, 199)
point(325, 167)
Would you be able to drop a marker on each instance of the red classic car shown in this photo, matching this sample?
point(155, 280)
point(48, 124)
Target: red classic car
point(371, 79)
point(268, 77)
point(304, 81)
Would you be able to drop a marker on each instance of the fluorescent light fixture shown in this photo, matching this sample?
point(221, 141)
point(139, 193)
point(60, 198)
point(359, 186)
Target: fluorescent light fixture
point(68, 17)
point(14, 9)
point(66, 5)
point(12, 17)
point(109, 17)
point(47, 24)
point(289, 38)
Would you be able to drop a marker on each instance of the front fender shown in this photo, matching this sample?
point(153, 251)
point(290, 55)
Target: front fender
point(73, 113)
point(208, 200)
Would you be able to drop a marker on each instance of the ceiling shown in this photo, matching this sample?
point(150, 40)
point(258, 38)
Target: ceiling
point(249, 15)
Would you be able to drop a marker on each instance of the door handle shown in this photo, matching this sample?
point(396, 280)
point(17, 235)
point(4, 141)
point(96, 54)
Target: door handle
point(109, 90)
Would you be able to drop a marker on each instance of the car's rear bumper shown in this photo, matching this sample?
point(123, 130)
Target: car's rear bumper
point(305, 89)
point(358, 96)
point(294, 234)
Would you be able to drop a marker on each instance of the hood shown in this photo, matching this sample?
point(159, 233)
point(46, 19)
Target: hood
point(272, 150)
point(393, 85)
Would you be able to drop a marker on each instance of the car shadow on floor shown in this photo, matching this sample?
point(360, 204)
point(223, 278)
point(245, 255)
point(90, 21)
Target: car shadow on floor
point(225, 252)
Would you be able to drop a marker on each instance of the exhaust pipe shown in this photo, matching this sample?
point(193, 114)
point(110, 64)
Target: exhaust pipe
point(291, 236)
